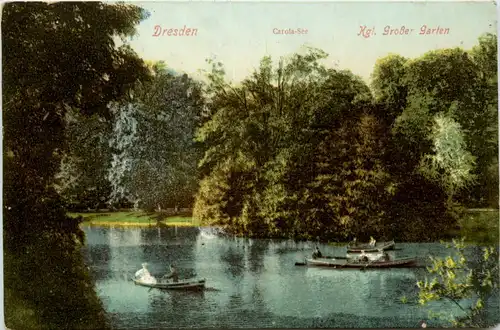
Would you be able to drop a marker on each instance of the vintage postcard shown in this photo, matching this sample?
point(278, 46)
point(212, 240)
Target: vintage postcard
point(250, 164)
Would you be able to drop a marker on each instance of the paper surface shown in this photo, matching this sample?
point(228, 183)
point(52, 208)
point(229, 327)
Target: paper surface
point(260, 146)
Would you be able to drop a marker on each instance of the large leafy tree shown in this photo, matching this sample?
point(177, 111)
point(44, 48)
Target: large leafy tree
point(351, 188)
point(485, 130)
point(74, 65)
point(439, 110)
point(57, 58)
point(389, 89)
point(450, 82)
point(248, 126)
point(270, 168)
point(154, 155)
point(82, 178)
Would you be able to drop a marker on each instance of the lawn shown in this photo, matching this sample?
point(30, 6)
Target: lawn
point(133, 218)
point(480, 226)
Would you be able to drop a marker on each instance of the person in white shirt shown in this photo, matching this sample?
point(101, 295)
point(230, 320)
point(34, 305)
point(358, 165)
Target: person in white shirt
point(141, 273)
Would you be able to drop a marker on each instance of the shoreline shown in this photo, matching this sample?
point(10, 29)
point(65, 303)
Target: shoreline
point(478, 229)
point(135, 224)
point(130, 219)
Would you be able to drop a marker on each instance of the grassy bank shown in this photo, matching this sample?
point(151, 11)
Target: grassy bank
point(480, 226)
point(134, 218)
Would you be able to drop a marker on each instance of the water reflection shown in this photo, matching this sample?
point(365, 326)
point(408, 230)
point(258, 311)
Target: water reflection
point(98, 258)
point(257, 251)
point(253, 283)
point(234, 259)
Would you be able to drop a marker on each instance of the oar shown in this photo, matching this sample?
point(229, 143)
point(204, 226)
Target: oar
point(341, 266)
point(368, 264)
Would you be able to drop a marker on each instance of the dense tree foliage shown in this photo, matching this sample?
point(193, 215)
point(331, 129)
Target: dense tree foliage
point(275, 143)
point(463, 282)
point(145, 155)
point(299, 150)
point(82, 178)
point(154, 156)
point(58, 59)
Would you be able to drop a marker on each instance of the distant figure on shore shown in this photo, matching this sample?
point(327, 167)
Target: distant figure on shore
point(173, 274)
point(317, 253)
point(372, 241)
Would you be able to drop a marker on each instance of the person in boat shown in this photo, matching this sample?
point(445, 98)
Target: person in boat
point(363, 257)
point(144, 272)
point(386, 257)
point(372, 241)
point(173, 274)
point(317, 253)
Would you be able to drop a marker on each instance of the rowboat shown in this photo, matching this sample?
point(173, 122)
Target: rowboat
point(167, 285)
point(379, 246)
point(348, 263)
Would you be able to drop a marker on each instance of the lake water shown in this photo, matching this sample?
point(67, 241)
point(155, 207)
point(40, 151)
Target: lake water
point(250, 283)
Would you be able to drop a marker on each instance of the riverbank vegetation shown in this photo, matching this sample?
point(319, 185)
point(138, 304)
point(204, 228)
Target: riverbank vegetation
point(468, 278)
point(478, 227)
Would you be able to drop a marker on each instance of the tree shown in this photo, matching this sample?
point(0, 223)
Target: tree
point(468, 281)
point(262, 143)
point(82, 178)
point(73, 66)
point(484, 55)
point(59, 77)
point(453, 83)
point(389, 88)
point(451, 165)
point(155, 157)
point(247, 124)
point(445, 86)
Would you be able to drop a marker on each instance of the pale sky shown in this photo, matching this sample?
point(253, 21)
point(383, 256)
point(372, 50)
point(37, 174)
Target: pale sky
point(239, 34)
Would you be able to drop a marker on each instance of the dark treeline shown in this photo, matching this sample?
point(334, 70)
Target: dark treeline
point(299, 150)
point(295, 150)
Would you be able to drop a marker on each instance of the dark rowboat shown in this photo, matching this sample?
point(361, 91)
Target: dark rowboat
point(181, 285)
point(343, 263)
point(358, 248)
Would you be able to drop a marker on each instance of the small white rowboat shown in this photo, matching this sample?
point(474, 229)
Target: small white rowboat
point(168, 285)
